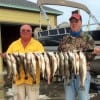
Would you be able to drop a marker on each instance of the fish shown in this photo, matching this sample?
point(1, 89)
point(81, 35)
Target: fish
point(47, 67)
point(61, 64)
point(38, 62)
point(42, 59)
point(18, 63)
point(33, 67)
point(82, 69)
point(58, 62)
point(66, 68)
point(23, 58)
point(14, 66)
point(53, 63)
point(7, 59)
point(28, 62)
point(76, 63)
point(37, 56)
point(71, 60)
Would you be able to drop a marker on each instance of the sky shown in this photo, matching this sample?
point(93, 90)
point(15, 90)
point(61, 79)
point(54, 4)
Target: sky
point(93, 5)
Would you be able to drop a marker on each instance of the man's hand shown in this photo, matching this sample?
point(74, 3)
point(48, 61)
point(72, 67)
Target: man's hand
point(3, 55)
point(96, 50)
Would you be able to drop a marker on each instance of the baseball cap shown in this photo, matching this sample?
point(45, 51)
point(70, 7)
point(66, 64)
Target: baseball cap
point(76, 16)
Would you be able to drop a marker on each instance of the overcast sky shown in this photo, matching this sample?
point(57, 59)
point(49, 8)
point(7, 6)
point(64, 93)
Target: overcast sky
point(93, 5)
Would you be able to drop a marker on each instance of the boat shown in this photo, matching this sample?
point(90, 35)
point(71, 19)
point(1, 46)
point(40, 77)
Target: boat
point(51, 37)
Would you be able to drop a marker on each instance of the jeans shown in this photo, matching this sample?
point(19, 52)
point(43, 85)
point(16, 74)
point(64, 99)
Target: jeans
point(73, 88)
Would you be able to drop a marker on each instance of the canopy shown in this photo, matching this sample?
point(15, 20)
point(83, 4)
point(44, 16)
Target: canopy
point(64, 3)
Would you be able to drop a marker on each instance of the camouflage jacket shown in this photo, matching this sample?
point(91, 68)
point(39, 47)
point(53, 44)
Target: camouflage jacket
point(84, 42)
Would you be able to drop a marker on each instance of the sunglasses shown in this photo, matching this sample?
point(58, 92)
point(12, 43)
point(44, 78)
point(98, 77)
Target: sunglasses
point(23, 30)
point(74, 21)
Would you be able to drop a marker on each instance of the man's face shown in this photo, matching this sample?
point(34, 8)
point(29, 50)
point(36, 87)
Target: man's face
point(75, 25)
point(26, 32)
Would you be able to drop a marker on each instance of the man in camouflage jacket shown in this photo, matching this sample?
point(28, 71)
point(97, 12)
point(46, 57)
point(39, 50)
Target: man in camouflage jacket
point(77, 40)
point(83, 42)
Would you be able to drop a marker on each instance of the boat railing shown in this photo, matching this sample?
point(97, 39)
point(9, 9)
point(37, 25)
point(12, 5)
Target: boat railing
point(54, 32)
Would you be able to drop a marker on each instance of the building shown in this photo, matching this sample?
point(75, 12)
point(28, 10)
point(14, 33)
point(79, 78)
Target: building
point(13, 13)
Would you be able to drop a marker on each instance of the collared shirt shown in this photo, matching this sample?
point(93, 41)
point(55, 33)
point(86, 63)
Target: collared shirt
point(32, 46)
